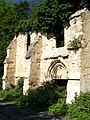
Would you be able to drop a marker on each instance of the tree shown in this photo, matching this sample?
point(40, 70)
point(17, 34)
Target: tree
point(10, 15)
point(50, 16)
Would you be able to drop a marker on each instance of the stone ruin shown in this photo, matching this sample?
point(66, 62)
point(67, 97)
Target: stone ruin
point(36, 57)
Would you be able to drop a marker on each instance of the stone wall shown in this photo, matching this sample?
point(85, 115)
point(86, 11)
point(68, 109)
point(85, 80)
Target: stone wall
point(47, 47)
point(15, 64)
point(42, 61)
point(48, 59)
point(78, 67)
point(34, 78)
point(85, 54)
point(74, 30)
point(22, 64)
point(10, 63)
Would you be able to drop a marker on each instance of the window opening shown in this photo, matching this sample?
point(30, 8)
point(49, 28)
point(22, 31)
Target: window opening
point(28, 41)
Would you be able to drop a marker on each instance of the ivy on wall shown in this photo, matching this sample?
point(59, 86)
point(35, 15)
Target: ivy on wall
point(75, 44)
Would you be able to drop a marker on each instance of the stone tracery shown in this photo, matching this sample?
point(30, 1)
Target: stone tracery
point(57, 70)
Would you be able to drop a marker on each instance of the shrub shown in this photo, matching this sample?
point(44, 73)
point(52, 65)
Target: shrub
point(9, 87)
point(23, 100)
point(20, 83)
point(59, 108)
point(3, 93)
point(75, 44)
point(80, 109)
point(41, 98)
point(12, 95)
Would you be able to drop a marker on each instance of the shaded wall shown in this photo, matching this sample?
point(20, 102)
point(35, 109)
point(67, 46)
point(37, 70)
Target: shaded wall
point(85, 54)
point(10, 63)
point(34, 77)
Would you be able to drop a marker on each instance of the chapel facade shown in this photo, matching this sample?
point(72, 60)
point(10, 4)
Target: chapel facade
point(36, 58)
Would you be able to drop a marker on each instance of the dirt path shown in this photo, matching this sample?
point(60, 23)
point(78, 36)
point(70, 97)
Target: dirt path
point(10, 111)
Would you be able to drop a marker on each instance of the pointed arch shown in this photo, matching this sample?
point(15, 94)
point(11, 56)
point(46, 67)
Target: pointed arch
point(57, 70)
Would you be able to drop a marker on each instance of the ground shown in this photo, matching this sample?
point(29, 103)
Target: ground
point(10, 111)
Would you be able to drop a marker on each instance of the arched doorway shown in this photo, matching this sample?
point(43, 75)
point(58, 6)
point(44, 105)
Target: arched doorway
point(58, 72)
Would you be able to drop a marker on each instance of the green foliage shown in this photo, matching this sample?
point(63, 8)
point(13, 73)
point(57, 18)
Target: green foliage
point(52, 97)
point(10, 95)
point(3, 93)
point(80, 109)
point(23, 100)
point(9, 87)
point(50, 16)
point(59, 108)
point(84, 3)
point(10, 17)
point(41, 98)
point(13, 93)
point(75, 44)
point(20, 83)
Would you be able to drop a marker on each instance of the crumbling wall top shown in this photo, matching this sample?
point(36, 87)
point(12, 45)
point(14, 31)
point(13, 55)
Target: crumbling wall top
point(78, 13)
